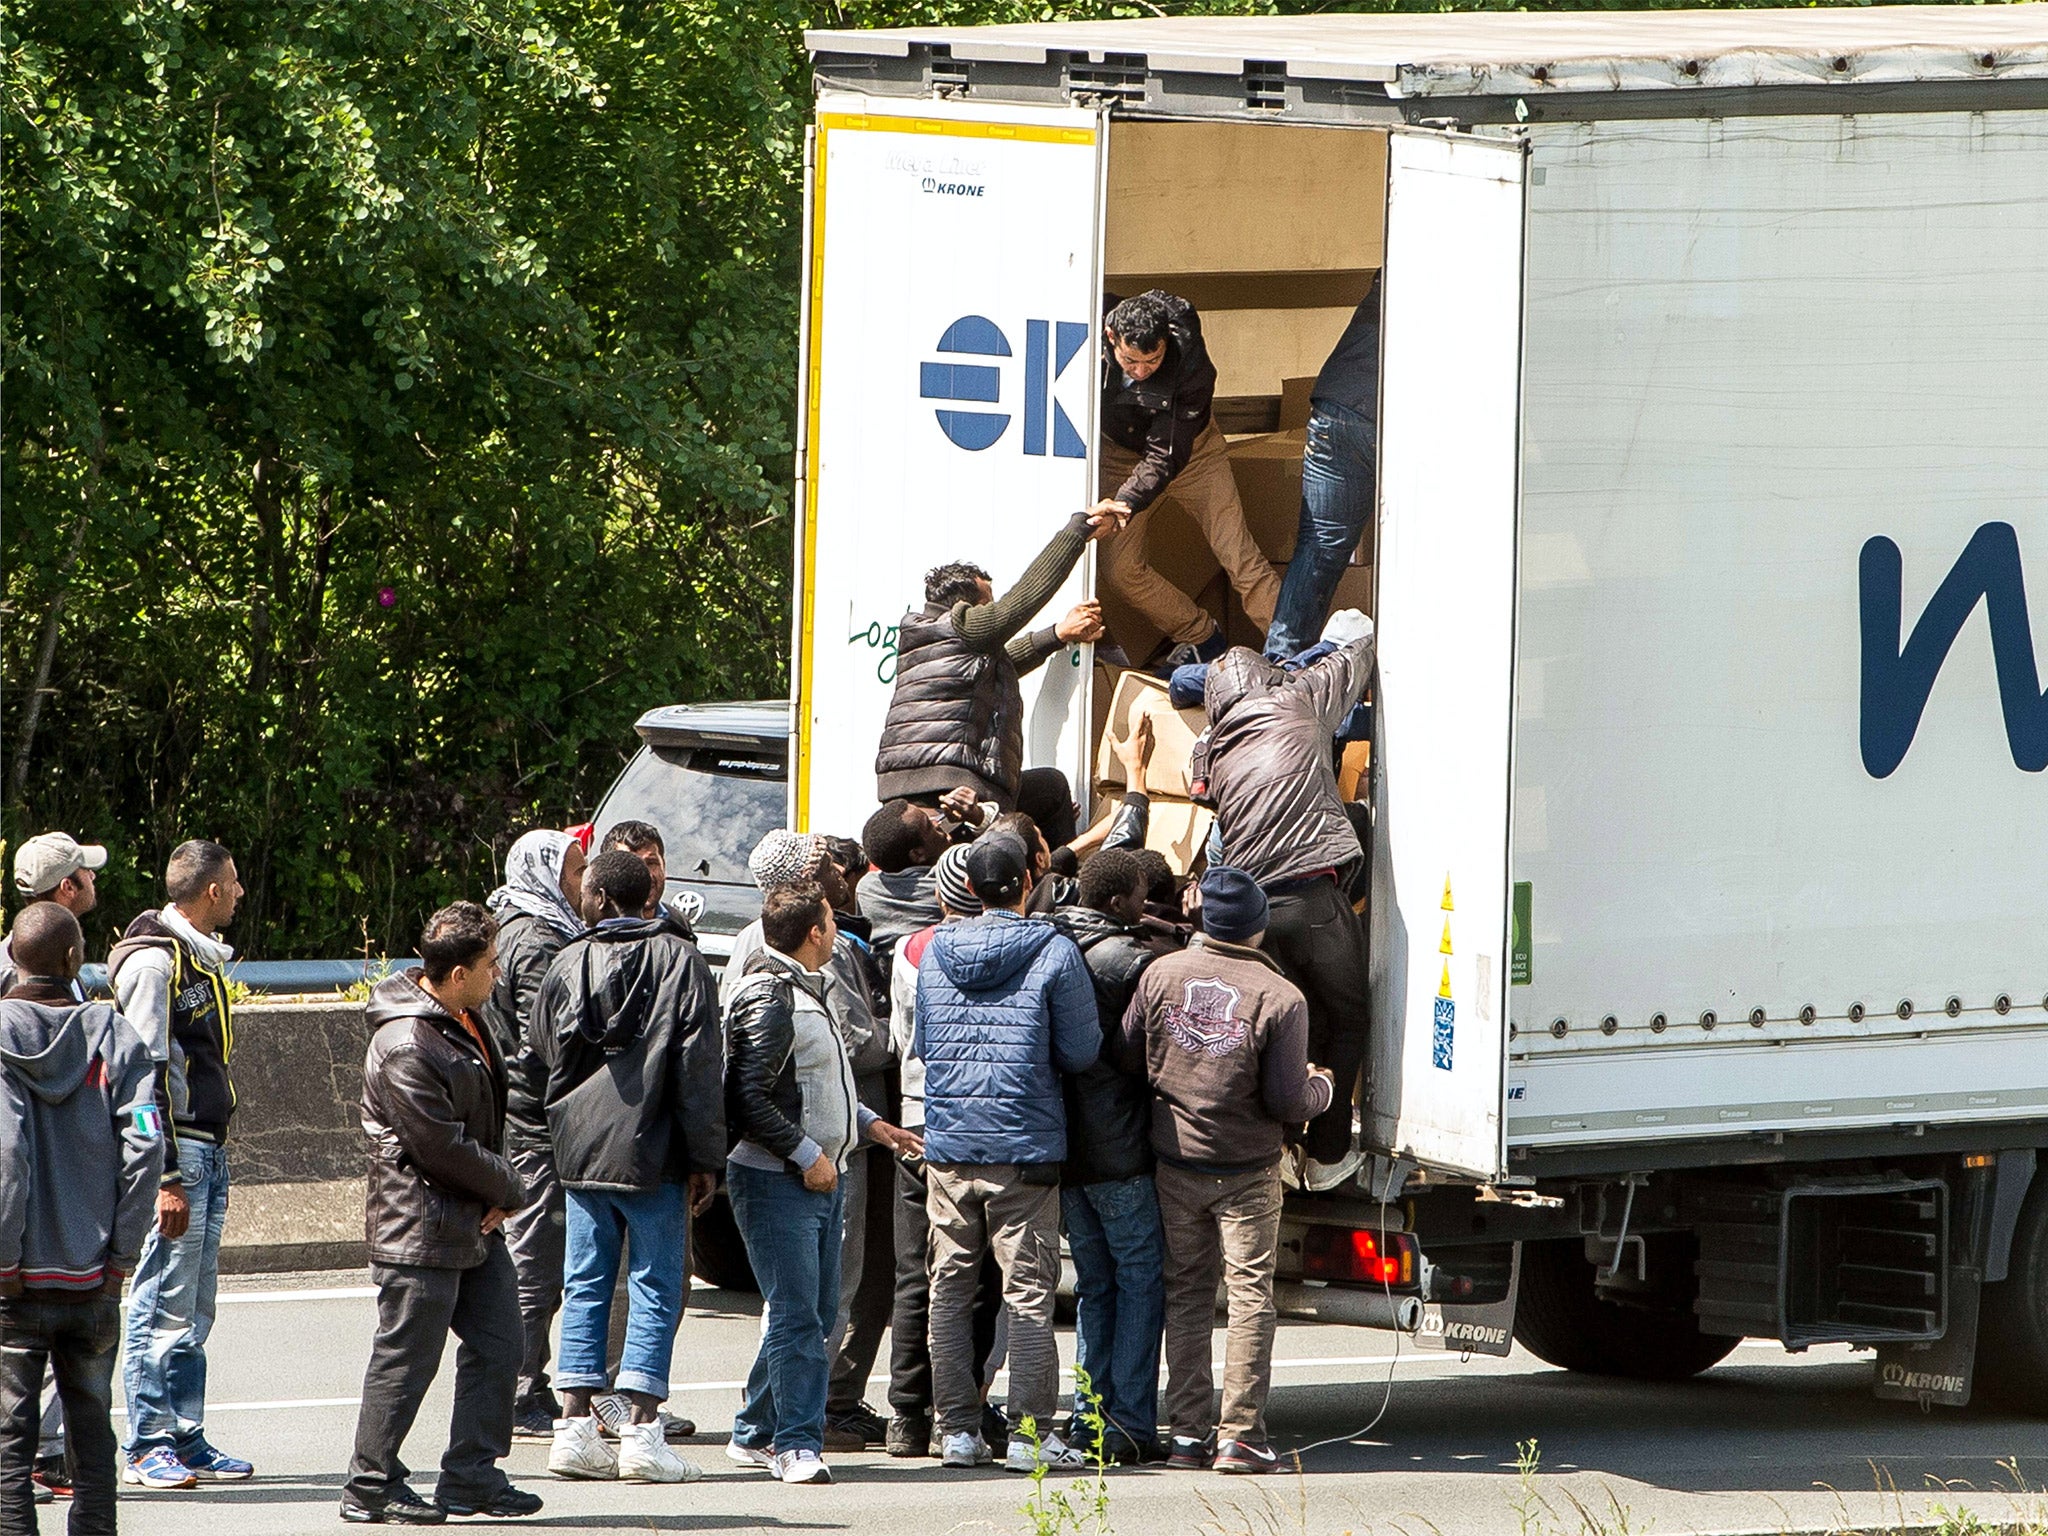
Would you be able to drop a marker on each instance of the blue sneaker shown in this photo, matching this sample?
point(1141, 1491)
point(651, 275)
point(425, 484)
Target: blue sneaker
point(158, 1468)
point(212, 1465)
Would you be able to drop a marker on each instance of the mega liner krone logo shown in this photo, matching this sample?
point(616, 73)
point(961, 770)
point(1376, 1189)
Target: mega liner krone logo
point(1049, 346)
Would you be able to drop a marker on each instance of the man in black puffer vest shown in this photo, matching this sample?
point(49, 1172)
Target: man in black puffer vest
point(957, 715)
point(1106, 1194)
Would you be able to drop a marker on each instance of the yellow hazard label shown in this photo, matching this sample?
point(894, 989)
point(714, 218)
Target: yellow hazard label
point(1447, 892)
point(1445, 947)
point(1445, 989)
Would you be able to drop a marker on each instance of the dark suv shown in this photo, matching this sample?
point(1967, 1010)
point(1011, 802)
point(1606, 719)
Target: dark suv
point(715, 779)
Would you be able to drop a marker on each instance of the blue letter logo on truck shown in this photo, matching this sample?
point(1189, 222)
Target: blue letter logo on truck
point(1049, 346)
point(1897, 679)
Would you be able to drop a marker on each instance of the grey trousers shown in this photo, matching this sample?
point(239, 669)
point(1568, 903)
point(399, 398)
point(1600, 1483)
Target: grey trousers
point(535, 1236)
point(417, 1309)
point(867, 1274)
point(977, 1209)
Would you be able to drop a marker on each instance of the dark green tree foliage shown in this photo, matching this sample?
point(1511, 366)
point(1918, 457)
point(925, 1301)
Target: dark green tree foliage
point(413, 378)
point(399, 399)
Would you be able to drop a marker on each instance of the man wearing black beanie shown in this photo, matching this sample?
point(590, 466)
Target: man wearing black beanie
point(1222, 1036)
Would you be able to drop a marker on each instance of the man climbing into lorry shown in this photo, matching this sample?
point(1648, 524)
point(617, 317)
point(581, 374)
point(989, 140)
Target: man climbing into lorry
point(1265, 763)
point(956, 718)
point(1159, 436)
point(1339, 474)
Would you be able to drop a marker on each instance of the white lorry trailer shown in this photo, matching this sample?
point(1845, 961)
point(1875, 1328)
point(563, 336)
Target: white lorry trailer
point(1710, 933)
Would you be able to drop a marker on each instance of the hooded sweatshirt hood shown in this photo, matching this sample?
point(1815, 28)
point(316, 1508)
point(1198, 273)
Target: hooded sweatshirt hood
point(1235, 676)
point(617, 1009)
point(45, 1047)
point(990, 952)
point(402, 997)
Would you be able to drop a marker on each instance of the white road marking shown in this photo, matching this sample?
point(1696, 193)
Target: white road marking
point(332, 1293)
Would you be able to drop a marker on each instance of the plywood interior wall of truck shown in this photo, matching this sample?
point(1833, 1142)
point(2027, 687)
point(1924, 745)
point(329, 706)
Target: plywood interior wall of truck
point(1272, 231)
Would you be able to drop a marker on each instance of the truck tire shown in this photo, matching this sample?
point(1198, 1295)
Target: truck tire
point(2012, 1319)
point(718, 1254)
point(1561, 1319)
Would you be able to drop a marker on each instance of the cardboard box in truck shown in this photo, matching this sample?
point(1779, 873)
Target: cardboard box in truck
point(1708, 996)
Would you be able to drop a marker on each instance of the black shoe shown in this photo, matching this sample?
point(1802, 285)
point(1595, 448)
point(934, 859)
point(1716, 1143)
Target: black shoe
point(861, 1420)
point(399, 1506)
point(995, 1429)
point(910, 1434)
point(533, 1423)
point(508, 1503)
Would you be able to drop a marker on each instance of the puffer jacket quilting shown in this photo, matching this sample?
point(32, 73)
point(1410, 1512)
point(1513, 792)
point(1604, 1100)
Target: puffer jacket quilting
point(956, 714)
point(526, 946)
point(1267, 760)
point(1004, 1005)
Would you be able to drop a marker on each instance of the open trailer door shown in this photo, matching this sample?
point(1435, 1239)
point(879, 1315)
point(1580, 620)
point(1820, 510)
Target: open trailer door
point(1450, 409)
point(951, 287)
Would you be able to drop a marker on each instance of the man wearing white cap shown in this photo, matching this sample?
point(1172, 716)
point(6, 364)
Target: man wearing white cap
point(53, 867)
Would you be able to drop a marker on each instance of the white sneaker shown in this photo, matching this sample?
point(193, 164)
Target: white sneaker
point(964, 1451)
point(802, 1467)
point(1321, 1176)
point(578, 1450)
point(1051, 1453)
point(645, 1457)
point(749, 1456)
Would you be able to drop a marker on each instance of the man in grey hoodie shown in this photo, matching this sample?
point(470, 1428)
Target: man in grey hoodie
point(81, 1148)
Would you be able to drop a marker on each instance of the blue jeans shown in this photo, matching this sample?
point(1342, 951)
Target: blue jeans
point(1118, 1246)
point(600, 1221)
point(793, 1237)
point(170, 1313)
point(1339, 471)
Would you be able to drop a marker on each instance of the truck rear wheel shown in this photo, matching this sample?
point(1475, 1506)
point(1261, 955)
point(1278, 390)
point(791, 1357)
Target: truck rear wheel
point(2012, 1325)
point(1562, 1319)
point(718, 1254)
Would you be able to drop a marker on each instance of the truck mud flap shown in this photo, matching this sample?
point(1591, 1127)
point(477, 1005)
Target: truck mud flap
point(1473, 1328)
point(1939, 1370)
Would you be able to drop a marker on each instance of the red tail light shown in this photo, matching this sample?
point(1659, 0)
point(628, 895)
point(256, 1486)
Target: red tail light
point(1358, 1255)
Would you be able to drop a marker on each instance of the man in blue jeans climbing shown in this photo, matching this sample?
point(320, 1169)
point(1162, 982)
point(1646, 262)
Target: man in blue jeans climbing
point(626, 1024)
point(170, 983)
point(1339, 470)
point(792, 1103)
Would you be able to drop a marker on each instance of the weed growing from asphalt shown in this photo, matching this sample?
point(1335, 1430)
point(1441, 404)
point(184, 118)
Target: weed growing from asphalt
point(1082, 1506)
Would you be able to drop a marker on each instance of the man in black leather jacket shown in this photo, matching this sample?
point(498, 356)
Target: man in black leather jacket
point(1106, 1194)
point(440, 1188)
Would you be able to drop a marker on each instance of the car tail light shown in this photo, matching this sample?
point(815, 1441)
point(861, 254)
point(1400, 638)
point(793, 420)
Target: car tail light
point(1358, 1255)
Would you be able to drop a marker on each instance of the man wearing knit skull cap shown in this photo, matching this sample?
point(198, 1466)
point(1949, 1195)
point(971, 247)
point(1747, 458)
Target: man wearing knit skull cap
point(1222, 1036)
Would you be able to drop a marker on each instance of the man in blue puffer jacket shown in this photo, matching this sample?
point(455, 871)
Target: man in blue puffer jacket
point(1004, 1006)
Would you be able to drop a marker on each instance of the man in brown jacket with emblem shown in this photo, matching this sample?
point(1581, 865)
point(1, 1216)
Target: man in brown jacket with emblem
point(1223, 1038)
point(440, 1189)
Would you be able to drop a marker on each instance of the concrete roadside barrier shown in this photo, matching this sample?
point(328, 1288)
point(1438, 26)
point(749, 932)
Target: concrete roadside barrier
point(296, 1151)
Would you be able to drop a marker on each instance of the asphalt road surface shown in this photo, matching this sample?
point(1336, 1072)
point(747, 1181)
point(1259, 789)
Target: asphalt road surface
point(1766, 1441)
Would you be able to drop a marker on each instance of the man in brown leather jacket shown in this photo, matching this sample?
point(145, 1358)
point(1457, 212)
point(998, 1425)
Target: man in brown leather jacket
point(440, 1188)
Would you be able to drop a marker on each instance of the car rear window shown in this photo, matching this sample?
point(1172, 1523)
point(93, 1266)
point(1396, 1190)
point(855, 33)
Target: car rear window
point(712, 804)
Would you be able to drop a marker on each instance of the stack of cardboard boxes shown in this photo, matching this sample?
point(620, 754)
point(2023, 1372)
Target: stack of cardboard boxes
point(1178, 827)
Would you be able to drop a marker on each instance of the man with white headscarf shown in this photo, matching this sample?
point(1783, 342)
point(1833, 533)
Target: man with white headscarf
point(536, 914)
